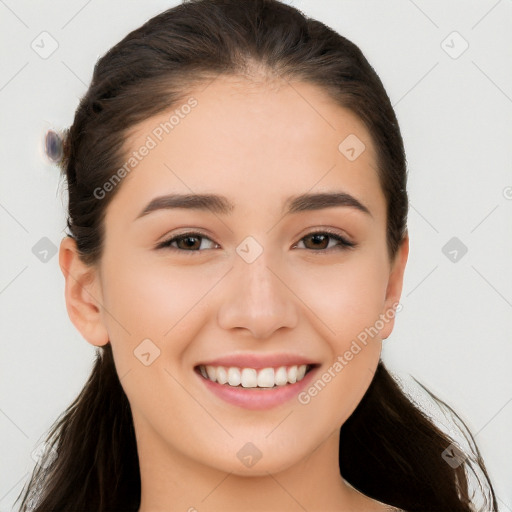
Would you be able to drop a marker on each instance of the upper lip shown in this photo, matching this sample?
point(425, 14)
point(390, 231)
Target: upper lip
point(258, 361)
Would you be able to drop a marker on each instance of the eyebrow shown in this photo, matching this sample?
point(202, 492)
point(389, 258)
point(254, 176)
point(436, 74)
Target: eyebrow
point(221, 205)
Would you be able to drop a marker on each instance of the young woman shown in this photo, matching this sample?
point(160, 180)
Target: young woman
point(236, 250)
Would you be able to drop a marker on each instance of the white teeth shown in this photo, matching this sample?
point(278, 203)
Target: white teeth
point(292, 374)
point(210, 370)
point(281, 376)
point(266, 378)
point(234, 377)
point(222, 376)
point(251, 378)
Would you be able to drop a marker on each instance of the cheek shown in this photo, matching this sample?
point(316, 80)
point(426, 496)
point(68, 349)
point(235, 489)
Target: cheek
point(339, 387)
point(155, 301)
point(347, 298)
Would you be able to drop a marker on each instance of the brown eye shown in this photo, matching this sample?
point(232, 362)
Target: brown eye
point(321, 241)
point(187, 242)
point(318, 241)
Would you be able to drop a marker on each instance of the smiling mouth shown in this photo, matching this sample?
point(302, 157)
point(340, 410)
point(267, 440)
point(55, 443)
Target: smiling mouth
point(263, 378)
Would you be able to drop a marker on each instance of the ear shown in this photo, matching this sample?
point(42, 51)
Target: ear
point(83, 294)
point(394, 288)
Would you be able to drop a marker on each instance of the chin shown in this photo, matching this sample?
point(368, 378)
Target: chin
point(246, 459)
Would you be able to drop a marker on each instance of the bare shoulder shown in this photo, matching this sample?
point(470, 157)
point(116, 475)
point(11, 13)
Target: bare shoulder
point(363, 503)
point(371, 505)
point(382, 507)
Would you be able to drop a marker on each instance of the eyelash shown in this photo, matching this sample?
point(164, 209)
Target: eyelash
point(343, 243)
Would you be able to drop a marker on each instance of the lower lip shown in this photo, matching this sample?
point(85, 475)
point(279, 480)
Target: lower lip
point(258, 398)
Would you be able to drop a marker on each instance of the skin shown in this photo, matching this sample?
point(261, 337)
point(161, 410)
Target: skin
point(257, 143)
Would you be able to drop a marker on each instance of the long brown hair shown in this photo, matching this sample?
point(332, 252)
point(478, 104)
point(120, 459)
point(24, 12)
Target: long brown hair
point(390, 449)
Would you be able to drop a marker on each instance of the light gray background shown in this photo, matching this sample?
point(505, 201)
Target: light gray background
point(453, 333)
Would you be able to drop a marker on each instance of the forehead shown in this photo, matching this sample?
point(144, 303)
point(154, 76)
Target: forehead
point(252, 142)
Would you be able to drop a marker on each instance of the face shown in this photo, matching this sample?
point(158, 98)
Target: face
point(256, 284)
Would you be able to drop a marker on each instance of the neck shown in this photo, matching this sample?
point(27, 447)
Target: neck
point(169, 480)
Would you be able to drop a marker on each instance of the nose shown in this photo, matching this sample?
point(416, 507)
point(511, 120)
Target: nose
point(258, 299)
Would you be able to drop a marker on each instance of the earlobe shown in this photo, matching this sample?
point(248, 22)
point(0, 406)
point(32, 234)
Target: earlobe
point(82, 293)
point(395, 284)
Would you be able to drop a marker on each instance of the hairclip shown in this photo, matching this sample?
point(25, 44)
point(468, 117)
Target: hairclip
point(53, 146)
